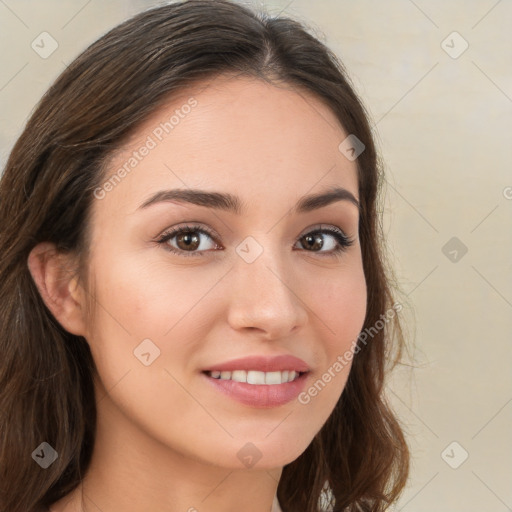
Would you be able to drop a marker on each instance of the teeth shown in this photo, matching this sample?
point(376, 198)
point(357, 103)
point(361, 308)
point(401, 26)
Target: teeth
point(273, 378)
point(239, 376)
point(255, 377)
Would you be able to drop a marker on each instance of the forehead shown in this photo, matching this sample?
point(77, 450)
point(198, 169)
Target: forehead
point(239, 134)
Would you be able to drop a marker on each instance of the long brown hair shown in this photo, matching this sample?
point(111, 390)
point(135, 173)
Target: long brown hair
point(46, 194)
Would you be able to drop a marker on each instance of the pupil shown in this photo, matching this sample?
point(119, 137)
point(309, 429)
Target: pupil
point(189, 239)
point(312, 241)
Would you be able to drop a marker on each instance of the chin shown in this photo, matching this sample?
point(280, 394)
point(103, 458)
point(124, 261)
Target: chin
point(262, 454)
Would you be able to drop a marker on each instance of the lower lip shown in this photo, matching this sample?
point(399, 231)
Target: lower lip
point(263, 395)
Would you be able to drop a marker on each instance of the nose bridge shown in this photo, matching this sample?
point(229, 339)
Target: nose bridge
point(263, 292)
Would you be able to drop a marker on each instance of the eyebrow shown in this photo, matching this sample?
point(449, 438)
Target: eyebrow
point(231, 203)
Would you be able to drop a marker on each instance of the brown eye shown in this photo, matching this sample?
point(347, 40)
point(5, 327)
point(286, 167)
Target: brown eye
point(314, 241)
point(188, 241)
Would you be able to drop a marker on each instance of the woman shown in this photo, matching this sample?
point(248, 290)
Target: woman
point(196, 314)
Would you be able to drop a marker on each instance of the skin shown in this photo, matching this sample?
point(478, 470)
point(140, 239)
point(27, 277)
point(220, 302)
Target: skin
point(166, 441)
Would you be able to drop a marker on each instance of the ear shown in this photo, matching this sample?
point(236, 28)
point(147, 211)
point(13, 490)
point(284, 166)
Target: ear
point(59, 288)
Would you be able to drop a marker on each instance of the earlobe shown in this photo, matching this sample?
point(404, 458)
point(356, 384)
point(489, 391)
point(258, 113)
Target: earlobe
point(58, 287)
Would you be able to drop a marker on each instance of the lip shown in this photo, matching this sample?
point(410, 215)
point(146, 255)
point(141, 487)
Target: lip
point(262, 363)
point(261, 395)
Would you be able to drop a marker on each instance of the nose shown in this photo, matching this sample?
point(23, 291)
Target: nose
point(265, 297)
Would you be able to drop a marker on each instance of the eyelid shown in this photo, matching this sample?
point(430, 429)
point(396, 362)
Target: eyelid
point(172, 232)
point(344, 241)
point(323, 227)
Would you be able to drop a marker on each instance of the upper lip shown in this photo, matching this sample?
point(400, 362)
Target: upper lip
point(262, 363)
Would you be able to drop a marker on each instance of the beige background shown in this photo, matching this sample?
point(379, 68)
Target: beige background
point(444, 127)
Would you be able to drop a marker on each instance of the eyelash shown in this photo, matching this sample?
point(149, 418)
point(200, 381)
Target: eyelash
point(343, 240)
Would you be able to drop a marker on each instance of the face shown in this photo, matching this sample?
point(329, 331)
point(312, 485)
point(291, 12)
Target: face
point(253, 285)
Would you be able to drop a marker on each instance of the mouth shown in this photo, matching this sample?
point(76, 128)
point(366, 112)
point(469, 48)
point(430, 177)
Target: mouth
point(261, 381)
point(257, 389)
point(256, 377)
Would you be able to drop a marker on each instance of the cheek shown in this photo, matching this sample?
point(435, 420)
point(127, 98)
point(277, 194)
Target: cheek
point(144, 345)
point(341, 309)
point(146, 308)
point(138, 297)
point(341, 305)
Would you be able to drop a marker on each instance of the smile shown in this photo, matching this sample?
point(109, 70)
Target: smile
point(256, 377)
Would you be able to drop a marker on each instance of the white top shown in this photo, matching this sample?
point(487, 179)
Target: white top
point(324, 499)
point(275, 505)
